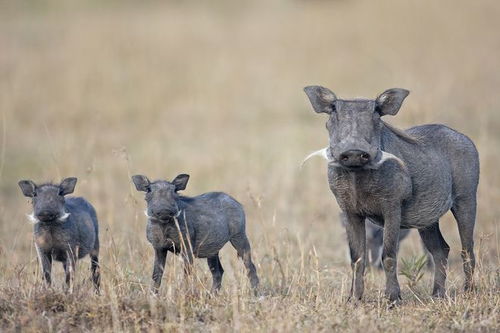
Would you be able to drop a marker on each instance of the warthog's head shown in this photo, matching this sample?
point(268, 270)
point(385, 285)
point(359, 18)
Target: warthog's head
point(48, 199)
point(161, 196)
point(355, 126)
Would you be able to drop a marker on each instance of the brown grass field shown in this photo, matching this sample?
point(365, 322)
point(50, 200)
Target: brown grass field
point(102, 91)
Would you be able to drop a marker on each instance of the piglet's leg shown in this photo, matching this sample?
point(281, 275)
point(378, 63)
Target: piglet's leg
point(242, 245)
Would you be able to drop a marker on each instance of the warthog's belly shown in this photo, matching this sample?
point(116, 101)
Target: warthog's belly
point(421, 216)
point(210, 244)
point(205, 240)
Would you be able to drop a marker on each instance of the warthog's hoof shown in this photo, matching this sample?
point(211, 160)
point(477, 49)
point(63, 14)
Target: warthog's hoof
point(469, 288)
point(353, 300)
point(439, 293)
point(393, 295)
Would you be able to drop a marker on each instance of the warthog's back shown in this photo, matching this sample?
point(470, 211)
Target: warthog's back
point(215, 217)
point(443, 164)
point(457, 148)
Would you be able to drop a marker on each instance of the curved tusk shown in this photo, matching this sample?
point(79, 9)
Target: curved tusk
point(388, 156)
point(32, 219)
point(322, 152)
point(64, 217)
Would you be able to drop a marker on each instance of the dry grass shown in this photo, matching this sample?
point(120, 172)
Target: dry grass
point(215, 91)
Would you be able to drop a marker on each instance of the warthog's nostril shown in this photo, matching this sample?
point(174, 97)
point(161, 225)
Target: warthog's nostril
point(354, 158)
point(47, 215)
point(163, 213)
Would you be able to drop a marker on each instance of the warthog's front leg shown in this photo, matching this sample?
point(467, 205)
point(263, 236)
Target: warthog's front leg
point(217, 272)
point(392, 225)
point(45, 258)
point(356, 236)
point(158, 268)
point(69, 265)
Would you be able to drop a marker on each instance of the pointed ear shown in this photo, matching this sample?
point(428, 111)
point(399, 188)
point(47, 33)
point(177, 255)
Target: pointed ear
point(28, 188)
point(390, 101)
point(141, 183)
point(180, 182)
point(321, 98)
point(67, 186)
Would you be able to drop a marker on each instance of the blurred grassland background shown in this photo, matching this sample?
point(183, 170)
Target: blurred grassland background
point(104, 90)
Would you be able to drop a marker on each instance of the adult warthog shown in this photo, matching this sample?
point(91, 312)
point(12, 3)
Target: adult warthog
point(398, 179)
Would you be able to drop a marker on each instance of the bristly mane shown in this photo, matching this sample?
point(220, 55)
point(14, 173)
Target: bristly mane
point(400, 133)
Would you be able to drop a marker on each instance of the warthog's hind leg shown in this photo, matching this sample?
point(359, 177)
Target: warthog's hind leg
point(439, 249)
point(242, 245)
point(464, 210)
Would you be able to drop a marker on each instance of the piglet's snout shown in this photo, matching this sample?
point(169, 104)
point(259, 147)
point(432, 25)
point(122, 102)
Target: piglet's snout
point(47, 215)
point(164, 213)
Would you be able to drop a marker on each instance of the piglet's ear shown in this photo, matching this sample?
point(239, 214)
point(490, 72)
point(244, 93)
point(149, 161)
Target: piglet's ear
point(28, 188)
point(68, 185)
point(180, 182)
point(141, 183)
point(390, 101)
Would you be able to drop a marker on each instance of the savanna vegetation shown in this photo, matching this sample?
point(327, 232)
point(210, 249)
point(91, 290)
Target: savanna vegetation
point(104, 90)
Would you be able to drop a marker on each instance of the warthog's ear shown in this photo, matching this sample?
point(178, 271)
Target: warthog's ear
point(180, 182)
point(141, 183)
point(321, 98)
point(28, 188)
point(67, 185)
point(390, 101)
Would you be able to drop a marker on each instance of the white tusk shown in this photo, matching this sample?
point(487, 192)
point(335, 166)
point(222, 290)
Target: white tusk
point(146, 213)
point(322, 152)
point(32, 219)
point(388, 156)
point(64, 217)
point(178, 214)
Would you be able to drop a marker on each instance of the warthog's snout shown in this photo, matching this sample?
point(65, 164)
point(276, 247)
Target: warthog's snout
point(47, 215)
point(354, 158)
point(164, 213)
